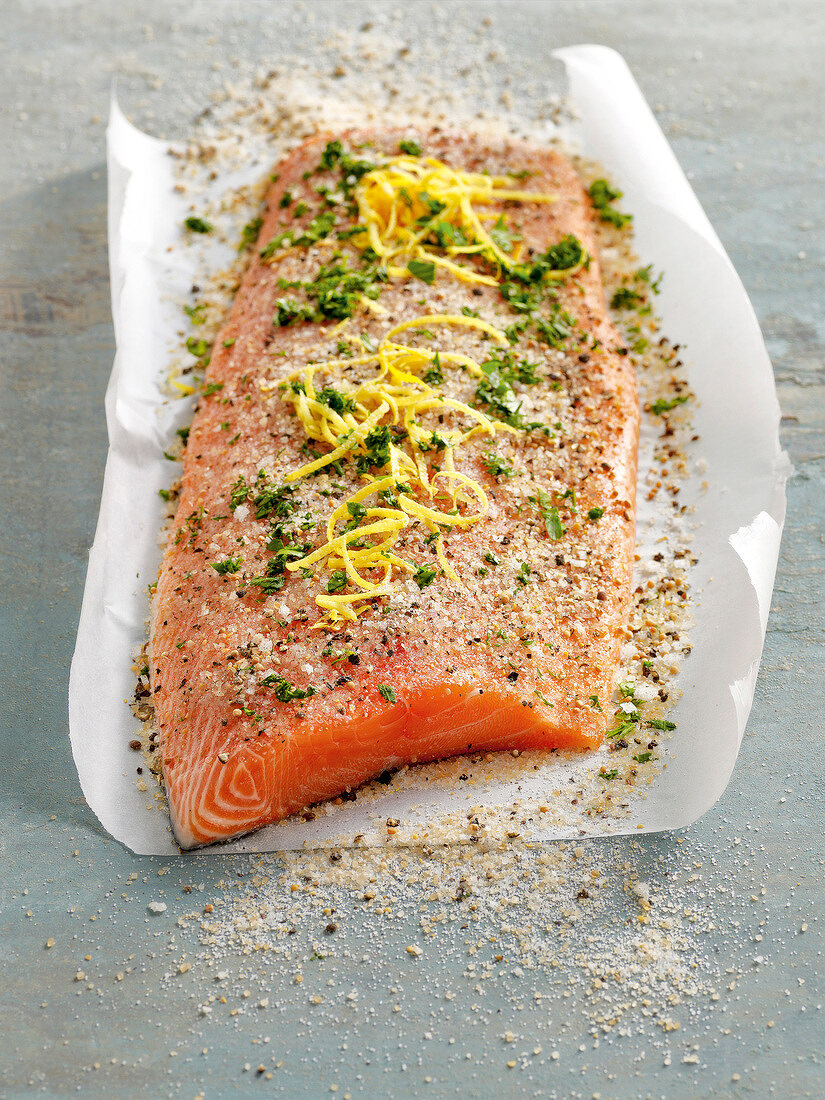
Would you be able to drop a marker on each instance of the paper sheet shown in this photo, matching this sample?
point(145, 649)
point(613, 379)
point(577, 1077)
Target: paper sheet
point(739, 520)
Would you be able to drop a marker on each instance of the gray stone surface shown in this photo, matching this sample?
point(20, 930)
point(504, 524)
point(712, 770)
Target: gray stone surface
point(739, 89)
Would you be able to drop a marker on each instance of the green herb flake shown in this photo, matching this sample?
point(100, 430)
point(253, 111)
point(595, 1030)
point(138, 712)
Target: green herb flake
point(285, 692)
point(497, 467)
point(386, 692)
point(211, 388)
point(411, 148)
point(198, 225)
point(424, 576)
point(595, 513)
point(549, 513)
point(660, 724)
point(229, 565)
point(602, 195)
point(337, 581)
point(197, 347)
point(625, 298)
point(643, 757)
point(422, 269)
point(663, 405)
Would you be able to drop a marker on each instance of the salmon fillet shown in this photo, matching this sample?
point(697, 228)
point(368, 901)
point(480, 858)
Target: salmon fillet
point(496, 627)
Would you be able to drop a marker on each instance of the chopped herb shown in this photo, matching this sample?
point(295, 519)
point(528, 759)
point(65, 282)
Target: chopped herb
point(539, 695)
point(411, 148)
point(514, 331)
point(595, 513)
point(337, 581)
point(556, 328)
point(422, 269)
point(289, 311)
point(197, 347)
point(229, 565)
point(434, 443)
point(271, 500)
point(377, 444)
point(165, 494)
point(343, 349)
point(496, 467)
point(198, 225)
point(660, 724)
point(286, 199)
point(336, 401)
point(491, 558)
point(503, 237)
point(300, 210)
point(523, 575)
point(445, 235)
point(602, 195)
point(211, 388)
point(434, 375)
point(386, 692)
point(229, 343)
point(249, 233)
point(608, 774)
point(662, 406)
point(595, 704)
point(424, 576)
point(352, 231)
point(625, 298)
point(196, 313)
point(184, 435)
point(549, 513)
point(643, 757)
point(285, 692)
point(645, 275)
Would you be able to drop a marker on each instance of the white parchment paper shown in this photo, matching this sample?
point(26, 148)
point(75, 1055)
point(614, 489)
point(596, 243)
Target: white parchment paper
point(739, 518)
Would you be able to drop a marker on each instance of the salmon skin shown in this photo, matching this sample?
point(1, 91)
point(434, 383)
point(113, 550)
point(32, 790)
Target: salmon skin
point(458, 578)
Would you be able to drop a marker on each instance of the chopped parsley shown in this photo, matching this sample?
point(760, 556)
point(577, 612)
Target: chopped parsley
point(337, 581)
point(595, 513)
point(602, 195)
point(377, 444)
point(625, 298)
point(424, 576)
point(289, 311)
point(422, 269)
point(549, 513)
point(663, 405)
point(249, 233)
point(211, 388)
point(229, 565)
point(496, 467)
point(197, 347)
point(434, 375)
point(660, 724)
point(411, 148)
point(336, 401)
point(285, 692)
point(386, 692)
point(198, 225)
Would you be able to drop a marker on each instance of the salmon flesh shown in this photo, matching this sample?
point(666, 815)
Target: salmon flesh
point(457, 578)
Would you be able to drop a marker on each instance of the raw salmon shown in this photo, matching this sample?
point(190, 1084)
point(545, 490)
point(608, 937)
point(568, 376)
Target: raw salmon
point(284, 672)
